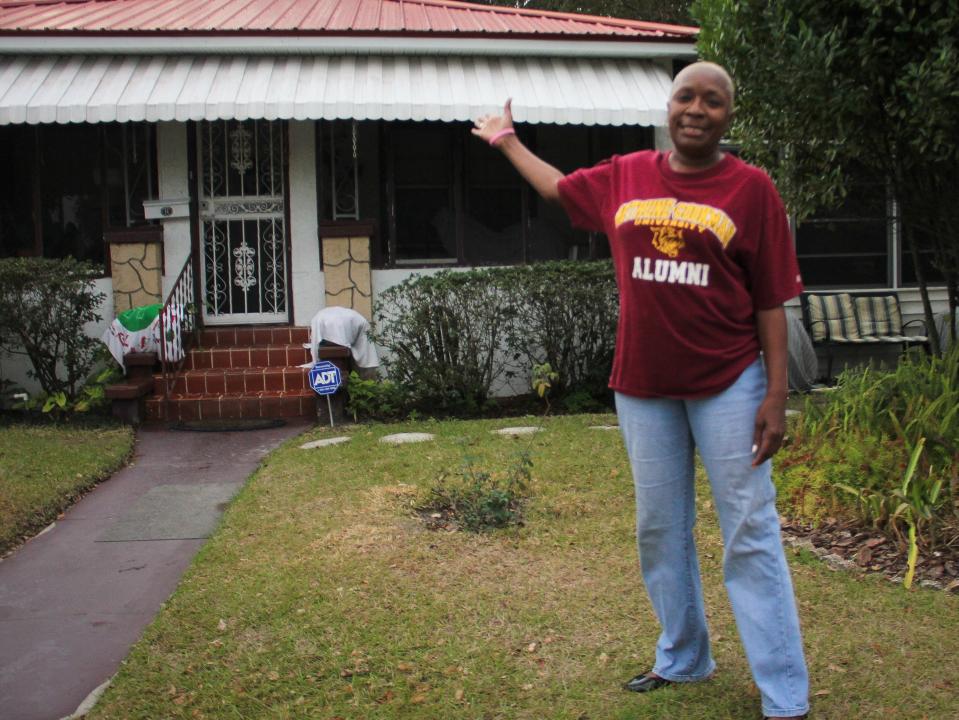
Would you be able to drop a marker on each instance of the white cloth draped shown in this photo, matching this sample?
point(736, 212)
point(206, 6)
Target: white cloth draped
point(346, 327)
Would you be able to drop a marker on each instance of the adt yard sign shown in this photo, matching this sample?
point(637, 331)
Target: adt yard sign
point(325, 378)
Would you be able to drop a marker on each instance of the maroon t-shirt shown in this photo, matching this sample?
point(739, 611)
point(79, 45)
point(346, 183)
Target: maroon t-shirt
point(696, 255)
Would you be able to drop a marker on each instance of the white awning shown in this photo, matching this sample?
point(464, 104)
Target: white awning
point(126, 88)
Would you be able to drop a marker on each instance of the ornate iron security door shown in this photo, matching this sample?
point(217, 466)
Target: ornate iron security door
point(242, 171)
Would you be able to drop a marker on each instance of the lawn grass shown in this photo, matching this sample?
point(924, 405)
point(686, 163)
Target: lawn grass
point(44, 468)
point(322, 596)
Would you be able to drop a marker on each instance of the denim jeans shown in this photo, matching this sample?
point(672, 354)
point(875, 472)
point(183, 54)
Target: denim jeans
point(660, 436)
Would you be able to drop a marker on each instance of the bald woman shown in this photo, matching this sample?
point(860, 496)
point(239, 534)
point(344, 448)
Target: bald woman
point(704, 261)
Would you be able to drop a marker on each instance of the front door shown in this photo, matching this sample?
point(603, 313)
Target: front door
point(242, 222)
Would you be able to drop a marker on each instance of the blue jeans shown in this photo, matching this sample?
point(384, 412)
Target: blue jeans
point(660, 436)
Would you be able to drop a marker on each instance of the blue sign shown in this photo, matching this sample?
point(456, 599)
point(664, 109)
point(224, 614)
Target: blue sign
point(325, 378)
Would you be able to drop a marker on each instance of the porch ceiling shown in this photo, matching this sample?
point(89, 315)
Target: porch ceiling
point(89, 88)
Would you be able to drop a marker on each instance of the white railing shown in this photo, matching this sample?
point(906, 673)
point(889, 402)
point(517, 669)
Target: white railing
point(177, 326)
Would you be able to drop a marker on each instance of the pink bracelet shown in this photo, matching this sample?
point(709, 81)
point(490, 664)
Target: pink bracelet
point(501, 134)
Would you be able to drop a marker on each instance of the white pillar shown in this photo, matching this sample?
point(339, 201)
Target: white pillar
point(173, 183)
point(305, 273)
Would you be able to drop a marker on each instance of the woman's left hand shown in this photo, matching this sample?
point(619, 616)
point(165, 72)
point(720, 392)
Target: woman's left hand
point(487, 126)
point(770, 428)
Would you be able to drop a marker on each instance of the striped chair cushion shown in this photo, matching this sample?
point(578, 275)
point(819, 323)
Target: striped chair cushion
point(833, 317)
point(879, 316)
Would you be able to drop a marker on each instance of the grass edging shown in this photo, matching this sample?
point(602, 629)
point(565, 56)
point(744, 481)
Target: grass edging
point(45, 468)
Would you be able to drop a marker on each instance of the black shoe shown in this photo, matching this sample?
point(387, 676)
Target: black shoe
point(646, 683)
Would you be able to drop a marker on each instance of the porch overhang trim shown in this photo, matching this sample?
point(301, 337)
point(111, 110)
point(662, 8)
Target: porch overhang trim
point(182, 44)
point(128, 88)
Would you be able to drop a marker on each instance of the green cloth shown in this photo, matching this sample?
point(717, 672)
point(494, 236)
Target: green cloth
point(139, 318)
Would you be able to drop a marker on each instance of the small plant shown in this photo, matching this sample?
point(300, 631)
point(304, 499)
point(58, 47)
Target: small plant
point(375, 399)
point(478, 500)
point(91, 397)
point(542, 381)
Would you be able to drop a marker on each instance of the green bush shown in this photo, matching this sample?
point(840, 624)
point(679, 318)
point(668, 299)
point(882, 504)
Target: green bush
point(445, 336)
point(452, 336)
point(478, 500)
point(375, 399)
point(44, 305)
point(566, 316)
point(887, 444)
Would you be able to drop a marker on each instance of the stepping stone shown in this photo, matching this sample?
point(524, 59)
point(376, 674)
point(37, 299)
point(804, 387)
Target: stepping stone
point(402, 438)
point(790, 412)
point(604, 427)
point(325, 442)
point(523, 430)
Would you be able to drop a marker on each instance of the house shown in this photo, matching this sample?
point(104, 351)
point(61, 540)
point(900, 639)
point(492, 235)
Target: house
point(297, 154)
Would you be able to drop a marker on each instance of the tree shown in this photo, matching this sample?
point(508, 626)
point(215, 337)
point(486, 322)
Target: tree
point(828, 85)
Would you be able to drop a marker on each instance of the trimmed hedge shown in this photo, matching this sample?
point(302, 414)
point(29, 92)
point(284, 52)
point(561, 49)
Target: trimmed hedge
point(454, 336)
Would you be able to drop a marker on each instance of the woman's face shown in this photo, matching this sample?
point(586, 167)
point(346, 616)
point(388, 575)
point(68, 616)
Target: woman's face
point(699, 111)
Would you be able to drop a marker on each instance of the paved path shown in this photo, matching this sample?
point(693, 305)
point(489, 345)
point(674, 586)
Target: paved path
point(72, 604)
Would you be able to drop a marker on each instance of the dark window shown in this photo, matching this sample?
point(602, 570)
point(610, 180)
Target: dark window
point(17, 150)
point(66, 184)
point(932, 274)
point(422, 203)
point(448, 199)
point(848, 246)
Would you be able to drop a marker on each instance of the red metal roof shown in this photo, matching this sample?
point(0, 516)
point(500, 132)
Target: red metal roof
point(339, 17)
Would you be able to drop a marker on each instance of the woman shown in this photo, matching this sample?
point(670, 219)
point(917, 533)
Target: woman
point(704, 262)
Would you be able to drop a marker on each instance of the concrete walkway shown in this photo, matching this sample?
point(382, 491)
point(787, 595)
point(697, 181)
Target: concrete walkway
point(75, 598)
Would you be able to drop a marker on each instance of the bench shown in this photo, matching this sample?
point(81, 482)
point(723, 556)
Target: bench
point(856, 319)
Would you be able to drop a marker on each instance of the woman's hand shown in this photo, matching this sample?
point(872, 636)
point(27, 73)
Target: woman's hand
point(771, 416)
point(487, 126)
point(540, 174)
point(770, 428)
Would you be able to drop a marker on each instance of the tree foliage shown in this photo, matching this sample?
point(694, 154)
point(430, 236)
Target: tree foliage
point(828, 86)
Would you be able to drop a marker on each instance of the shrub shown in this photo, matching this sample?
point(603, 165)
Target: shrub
point(453, 335)
point(566, 315)
point(44, 305)
point(375, 399)
point(445, 335)
point(478, 500)
point(889, 441)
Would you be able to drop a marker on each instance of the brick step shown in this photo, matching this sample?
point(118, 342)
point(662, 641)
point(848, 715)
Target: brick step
point(232, 406)
point(251, 380)
point(246, 336)
point(255, 356)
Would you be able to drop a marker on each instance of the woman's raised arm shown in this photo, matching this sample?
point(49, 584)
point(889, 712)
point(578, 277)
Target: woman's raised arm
point(497, 130)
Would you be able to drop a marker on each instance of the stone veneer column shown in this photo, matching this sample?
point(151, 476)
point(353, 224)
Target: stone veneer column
point(346, 267)
point(136, 266)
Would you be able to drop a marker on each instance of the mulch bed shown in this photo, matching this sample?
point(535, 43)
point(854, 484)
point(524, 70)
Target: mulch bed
point(864, 549)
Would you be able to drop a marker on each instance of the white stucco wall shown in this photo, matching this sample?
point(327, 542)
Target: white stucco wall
point(173, 183)
point(306, 275)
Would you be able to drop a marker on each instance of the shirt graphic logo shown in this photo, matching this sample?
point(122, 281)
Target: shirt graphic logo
point(668, 240)
point(670, 271)
point(670, 213)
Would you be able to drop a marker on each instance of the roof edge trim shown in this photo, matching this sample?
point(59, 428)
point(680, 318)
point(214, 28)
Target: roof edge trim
point(101, 44)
